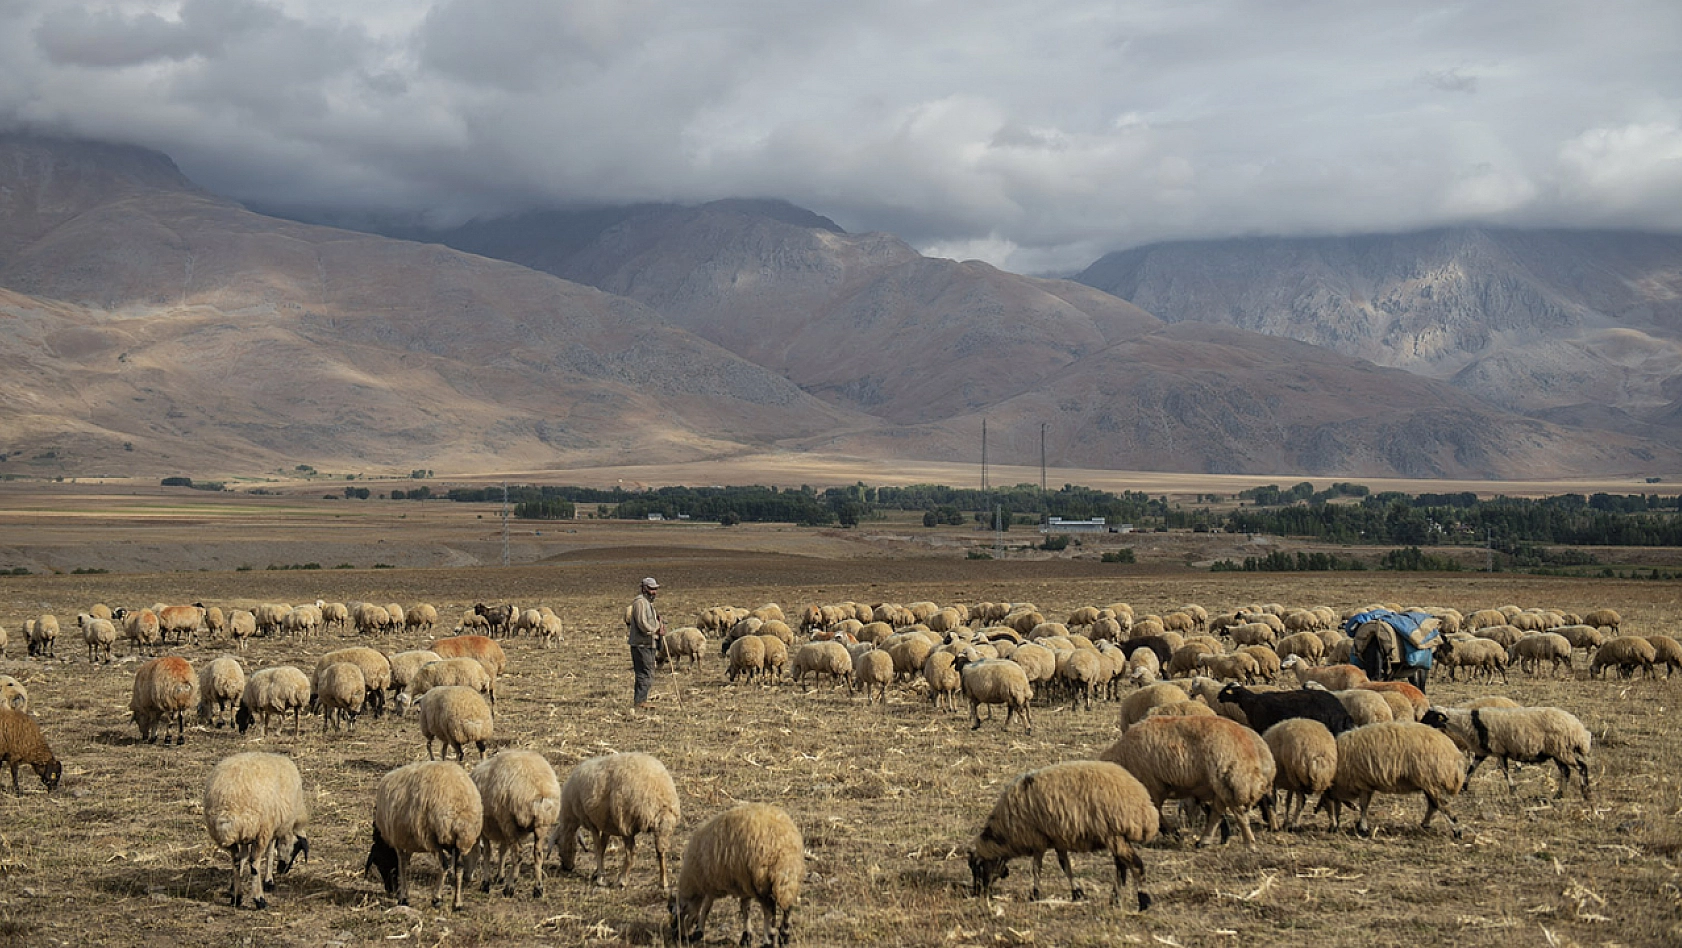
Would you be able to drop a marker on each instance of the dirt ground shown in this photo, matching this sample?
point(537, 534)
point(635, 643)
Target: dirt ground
point(887, 797)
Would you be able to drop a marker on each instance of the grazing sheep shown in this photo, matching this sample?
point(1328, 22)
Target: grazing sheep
point(944, 680)
point(302, 621)
point(1527, 735)
point(141, 629)
point(371, 619)
point(1253, 633)
point(165, 690)
point(215, 622)
point(1584, 637)
point(1305, 760)
point(341, 691)
point(1367, 707)
point(13, 694)
point(1627, 652)
point(1395, 757)
point(1078, 806)
point(182, 622)
point(1415, 698)
point(21, 743)
point(1666, 651)
point(776, 656)
point(374, 666)
point(404, 666)
point(1188, 659)
point(275, 690)
point(466, 672)
point(1219, 763)
point(425, 807)
point(617, 796)
point(242, 625)
point(254, 809)
point(1604, 619)
point(221, 683)
point(746, 657)
point(996, 681)
point(1267, 661)
point(1480, 656)
point(1136, 706)
point(521, 797)
point(1234, 666)
point(455, 715)
point(334, 615)
point(1532, 650)
point(686, 642)
point(42, 635)
point(487, 652)
point(752, 852)
point(1263, 709)
point(99, 634)
point(1309, 646)
point(418, 618)
point(1082, 671)
point(269, 616)
point(1331, 677)
point(500, 618)
point(873, 671)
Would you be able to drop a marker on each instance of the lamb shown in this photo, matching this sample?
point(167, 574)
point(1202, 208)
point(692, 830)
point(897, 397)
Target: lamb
point(521, 797)
point(1220, 763)
point(242, 625)
point(746, 657)
point(751, 851)
point(487, 652)
point(1604, 619)
point(165, 689)
point(874, 671)
point(254, 809)
point(623, 796)
point(221, 683)
point(275, 690)
point(1395, 757)
point(341, 691)
point(1626, 652)
point(374, 666)
point(42, 635)
point(1332, 677)
point(1532, 650)
point(21, 743)
point(996, 681)
point(1305, 758)
point(1078, 806)
point(455, 715)
point(1666, 650)
point(425, 807)
point(13, 694)
point(1264, 709)
point(1527, 735)
point(99, 634)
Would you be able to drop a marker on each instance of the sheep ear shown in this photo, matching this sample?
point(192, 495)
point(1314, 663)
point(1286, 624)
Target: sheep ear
point(301, 850)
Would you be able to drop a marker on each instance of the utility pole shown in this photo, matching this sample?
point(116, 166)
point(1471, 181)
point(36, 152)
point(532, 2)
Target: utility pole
point(1042, 457)
point(504, 523)
point(998, 532)
point(1488, 551)
point(983, 454)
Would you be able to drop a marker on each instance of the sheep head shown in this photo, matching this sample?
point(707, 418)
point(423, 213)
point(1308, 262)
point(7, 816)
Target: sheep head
point(383, 857)
point(50, 773)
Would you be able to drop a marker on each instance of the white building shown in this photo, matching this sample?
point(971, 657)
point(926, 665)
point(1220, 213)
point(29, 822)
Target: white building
point(1059, 525)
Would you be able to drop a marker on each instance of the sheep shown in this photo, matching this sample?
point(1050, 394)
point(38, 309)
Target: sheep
point(42, 635)
point(1367, 707)
point(746, 657)
point(465, 672)
point(1626, 652)
point(13, 694)
point(1333, 677)
point(1137, 705)
point(753, 852)
point(1037, 662)
point(617, 795)
point(486, 651)
point(996, 681)
point(1306, 644)
point(417, 618)
point(215, 622)
point(1480, 656)
point(776, 656)
point(943, 679)
point(521, 797)
point(21, 743)
point(1231, 667)
point(1666, 651)
point(275, 690)
point(1532, 650)
point(499, 617)
point(1527, 735)
point(269, 616)
point(242, 625)
point(1604, 619)
point(180, 621)
point(165, 689)
point(141, 629)
point(374, 666)
point(254, 809)
point(823, 658)
point(2, 641)
point(1581, 636)
point(334, 615)
point(1488, 701)
point(404, 666)
point(371, 619)
point(1267, 661)
point(1143, 667)
point(99, 634)
point(551, 630)
point(1222, 764)
point(874, 670)
point(1181, 709)
point(302, 621)
point(1253, 633)
point(221, 683)
point(1083, 671)
point(341, 691)
point(425, 807)
point(455, 715)
point(1395, 757)
point(1413, 696)
point(1264, 709)
point(1305, 761)
point(1078, 806)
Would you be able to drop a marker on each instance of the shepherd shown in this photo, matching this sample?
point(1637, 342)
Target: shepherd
point(647, 635)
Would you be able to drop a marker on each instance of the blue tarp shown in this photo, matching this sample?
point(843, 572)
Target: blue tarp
point(1414, 644)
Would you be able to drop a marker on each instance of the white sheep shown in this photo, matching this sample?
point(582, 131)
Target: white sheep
point(42, 635)
point(242, 625)
point(1367, 707)
point(341, 691)
point(1221, 764)
point(1626, 652)
point(746, 657)
point(617, 796)
point(141, 629)
point(165, 690)
point(752, 852)
point(1331, 677)
point(1532, 650)
point(1527, 735)
point(943, 679)
point(425, 807)
point(1305, 761)
point(1395, 757)
point(521, 796)
point(455, 715)
point(1667, 652)
point(823, 658)
point(1136, 706)
point(13, 694)
point(873, 671)
point(221, 683)
point(686, 642)
point(1078, 806)
point(254, 809)
point(997, 681)
point(404, 665)
point(274, 690)
point(372, 663)
point(99, 634)
point(459, 671)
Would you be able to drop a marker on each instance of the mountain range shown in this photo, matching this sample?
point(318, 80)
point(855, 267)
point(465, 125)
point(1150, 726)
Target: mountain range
point(152, 327)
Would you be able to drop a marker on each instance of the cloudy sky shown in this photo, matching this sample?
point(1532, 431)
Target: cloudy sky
point(1034, 135)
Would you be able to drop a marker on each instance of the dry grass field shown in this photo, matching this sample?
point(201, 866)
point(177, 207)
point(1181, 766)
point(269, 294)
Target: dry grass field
point(887, 797)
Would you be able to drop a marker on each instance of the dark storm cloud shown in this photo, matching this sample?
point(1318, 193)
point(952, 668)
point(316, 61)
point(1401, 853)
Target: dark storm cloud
point(1032, 135)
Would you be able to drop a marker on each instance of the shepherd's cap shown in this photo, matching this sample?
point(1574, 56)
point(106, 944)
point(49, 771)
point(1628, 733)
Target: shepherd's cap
point(649, 583)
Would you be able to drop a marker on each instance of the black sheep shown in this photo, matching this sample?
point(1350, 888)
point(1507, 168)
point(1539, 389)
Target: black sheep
point(1263, 709)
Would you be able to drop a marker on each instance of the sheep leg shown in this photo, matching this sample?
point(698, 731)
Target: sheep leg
point(1125, 856)
point(1034, 885)
point(402, 877)
point(768, 908)
point(747, 933)
point(600, 839)
point(974, 715)
point(1075, 893)
point(782, 929)
point(1583, 771)
point(1507, 771)
point(1210, 824)
point(1432, 807)
point(630, 857)
point(1362, 828)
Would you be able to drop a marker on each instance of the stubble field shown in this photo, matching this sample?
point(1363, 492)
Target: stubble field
point(887, 797)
